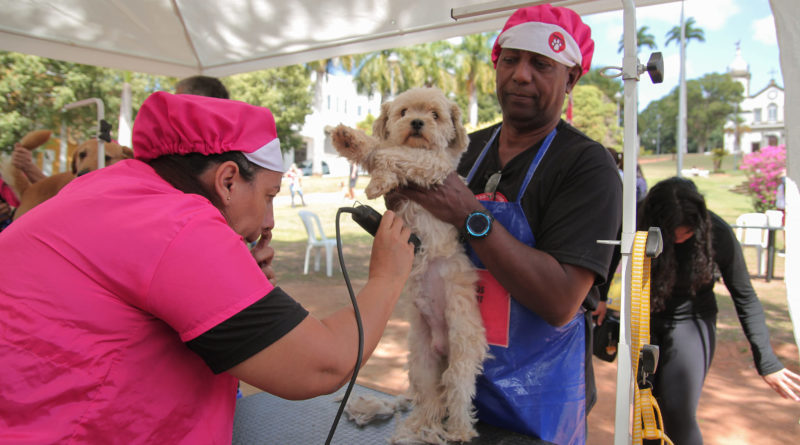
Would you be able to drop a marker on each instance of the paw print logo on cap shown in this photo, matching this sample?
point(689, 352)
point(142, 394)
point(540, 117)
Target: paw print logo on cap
point(556, 42)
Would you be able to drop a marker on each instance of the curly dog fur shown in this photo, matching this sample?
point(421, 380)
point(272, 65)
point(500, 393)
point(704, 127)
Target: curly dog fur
point(418, 139)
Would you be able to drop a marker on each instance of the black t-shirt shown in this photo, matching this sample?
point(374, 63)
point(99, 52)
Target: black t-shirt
point(248, 332)
point(730, 262)
point(573, 200)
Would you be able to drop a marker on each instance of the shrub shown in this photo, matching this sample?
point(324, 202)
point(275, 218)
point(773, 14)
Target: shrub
point(764, 169)
point(717, 155)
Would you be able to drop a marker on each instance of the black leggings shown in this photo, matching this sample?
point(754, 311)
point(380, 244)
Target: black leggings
point(686, 349)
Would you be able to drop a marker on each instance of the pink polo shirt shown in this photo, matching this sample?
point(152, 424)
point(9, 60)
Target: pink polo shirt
point(99, 289)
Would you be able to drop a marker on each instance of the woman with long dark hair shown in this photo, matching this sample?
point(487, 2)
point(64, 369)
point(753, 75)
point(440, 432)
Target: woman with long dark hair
point(698, 244)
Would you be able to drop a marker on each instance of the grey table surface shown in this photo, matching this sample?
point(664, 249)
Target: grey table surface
point(266, 419)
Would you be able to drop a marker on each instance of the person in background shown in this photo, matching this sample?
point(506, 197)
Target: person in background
point(295, 177)
point(153, 308)
point(202, 86)
point(351, 186)
point(697, 242)
point(8, 203)
point(641, 184)
point(539, 194)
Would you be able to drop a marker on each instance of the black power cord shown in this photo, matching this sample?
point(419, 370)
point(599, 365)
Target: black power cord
point(354, 211)
point(369, 219)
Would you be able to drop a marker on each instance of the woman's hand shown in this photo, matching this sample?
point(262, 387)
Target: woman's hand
point(392, 254)
point(264, 254)
point(784, 382)
point(600, 312)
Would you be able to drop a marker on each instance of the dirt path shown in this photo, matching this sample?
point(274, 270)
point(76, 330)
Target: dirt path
point(736, 407)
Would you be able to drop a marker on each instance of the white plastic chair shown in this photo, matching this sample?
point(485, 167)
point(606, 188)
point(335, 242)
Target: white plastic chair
point(317, 240)
point(775, 218)
point(754, 237)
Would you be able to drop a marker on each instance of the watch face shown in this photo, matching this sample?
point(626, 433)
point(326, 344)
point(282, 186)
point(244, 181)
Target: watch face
point(478, 224)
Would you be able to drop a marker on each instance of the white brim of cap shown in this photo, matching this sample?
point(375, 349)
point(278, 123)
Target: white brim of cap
point(535, 37)
point(268, 156)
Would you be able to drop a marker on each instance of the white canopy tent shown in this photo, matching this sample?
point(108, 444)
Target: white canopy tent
point(220, 38)
point(225, 37)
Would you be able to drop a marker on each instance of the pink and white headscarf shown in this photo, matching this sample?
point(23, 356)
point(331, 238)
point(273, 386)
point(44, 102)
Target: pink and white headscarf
point(183, 123)
point(555, 32)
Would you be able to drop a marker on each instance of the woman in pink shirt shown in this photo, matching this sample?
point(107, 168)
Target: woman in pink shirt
point(130, 302)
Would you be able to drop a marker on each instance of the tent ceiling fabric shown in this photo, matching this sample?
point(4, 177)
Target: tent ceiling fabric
point(224, 37)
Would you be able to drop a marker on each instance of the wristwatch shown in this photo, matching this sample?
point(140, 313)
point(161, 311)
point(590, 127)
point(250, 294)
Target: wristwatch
point(478, 225)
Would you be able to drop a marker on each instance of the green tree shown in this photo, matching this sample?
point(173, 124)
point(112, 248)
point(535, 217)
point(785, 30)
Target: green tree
point(643, 38)
point(658, 124)
point(285, 91)
point(713, 98)
point(610, 86)
point(594, 114)
point(34, 90)
point(474, 70)
point(691, 33)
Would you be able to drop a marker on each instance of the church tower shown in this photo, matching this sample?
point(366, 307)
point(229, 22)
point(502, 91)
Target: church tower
point(740, 70)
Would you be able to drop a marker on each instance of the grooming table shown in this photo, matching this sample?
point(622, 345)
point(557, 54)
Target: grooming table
point(266, 419)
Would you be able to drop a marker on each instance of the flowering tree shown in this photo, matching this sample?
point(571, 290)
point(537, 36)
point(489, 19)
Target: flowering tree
point(764, 169)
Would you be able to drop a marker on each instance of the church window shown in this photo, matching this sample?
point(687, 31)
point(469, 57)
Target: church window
point(757, 115)
point(772, 112)
point(772, 140)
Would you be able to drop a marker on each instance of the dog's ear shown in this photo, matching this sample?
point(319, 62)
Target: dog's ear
point(379, 129)
point(127, 153)
point(461, 140)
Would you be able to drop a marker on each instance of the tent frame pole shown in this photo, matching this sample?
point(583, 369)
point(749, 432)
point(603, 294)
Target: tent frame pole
point(630, 76)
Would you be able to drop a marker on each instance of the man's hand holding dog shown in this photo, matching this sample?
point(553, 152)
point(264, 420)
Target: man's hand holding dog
point(451, 201)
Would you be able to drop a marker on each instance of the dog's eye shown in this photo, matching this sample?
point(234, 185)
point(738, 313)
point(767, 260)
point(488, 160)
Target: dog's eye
point(82, 154)
point(402, 112)
point(435, 115)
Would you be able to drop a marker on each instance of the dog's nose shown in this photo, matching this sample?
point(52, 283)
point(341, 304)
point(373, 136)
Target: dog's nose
point(417, 124)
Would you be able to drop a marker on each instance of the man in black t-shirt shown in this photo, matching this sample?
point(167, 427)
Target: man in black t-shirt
point(539, 195)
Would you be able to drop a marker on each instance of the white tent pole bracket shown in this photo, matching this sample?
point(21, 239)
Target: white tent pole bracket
point(101, 149)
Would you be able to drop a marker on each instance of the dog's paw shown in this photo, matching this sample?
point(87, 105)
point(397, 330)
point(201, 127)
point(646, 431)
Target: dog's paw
point(403, 435)
point(464, 432)
point(380, 185)
point(346, 140)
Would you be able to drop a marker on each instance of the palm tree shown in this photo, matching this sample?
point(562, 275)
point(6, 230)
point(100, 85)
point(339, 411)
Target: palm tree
point(643, 38)
point(691, 32)
point(382, 72)
point(474, 70)
point(322, 68)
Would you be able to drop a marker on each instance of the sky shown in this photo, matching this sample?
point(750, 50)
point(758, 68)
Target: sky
point(724, 22)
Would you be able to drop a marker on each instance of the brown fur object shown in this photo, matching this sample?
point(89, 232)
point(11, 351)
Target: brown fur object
point(32, 140)
point(418, 139)
point(83, 161)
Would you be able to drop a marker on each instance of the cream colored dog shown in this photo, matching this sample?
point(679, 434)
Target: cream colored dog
point(418, 139)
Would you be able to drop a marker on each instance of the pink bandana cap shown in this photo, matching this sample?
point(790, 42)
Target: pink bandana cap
point(179, 124)
point(555, 32)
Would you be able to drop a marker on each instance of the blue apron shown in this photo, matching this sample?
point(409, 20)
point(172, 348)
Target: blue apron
point(534, 381)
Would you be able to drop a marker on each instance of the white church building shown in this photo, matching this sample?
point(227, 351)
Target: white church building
point(336, 101)
point(761, 122)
